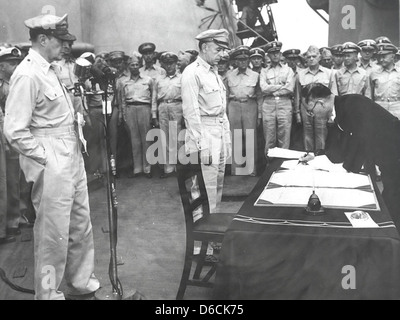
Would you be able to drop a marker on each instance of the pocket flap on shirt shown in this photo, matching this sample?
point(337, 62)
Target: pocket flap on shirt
point(208, 89)
point(53, 93)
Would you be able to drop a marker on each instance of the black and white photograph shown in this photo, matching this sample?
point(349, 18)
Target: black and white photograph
point(199, 154)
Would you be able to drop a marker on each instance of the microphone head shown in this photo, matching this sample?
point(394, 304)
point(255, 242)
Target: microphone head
point(89, 56)
point(82, 68)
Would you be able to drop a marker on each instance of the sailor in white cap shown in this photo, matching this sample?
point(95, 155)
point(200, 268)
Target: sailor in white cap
point(383, 87)
point(351, 79)
point(368, 49)
point(41, 124)
point(204, 111)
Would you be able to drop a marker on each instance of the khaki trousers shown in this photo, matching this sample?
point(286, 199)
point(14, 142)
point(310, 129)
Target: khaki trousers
point(63, 238)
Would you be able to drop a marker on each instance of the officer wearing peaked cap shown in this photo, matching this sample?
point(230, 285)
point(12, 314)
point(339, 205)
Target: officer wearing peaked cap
point(41, 124)
point(383, 87)
point(169, 111)
point(245, 101)
point(337, 56)
point(257, 56)
point(273, 46)
point(219, 37)
point(277, 84)
point(204, 110)
point(368, 49)
point(351, 79)
point(293, 58)
point(150, 69)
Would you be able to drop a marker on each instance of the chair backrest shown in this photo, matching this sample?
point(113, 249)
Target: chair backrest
point(193, 191)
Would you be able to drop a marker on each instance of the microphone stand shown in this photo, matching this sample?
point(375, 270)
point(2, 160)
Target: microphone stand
point(114, 291)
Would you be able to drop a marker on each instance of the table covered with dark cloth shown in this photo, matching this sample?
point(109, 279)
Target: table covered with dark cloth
point(284, 254)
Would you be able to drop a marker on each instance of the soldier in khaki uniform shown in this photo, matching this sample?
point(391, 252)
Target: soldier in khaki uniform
point(139, 109)
point(368, 49)
point(169, 101)
point(257, 58)
point(277, 85)
point(42, 125)
point(296, 135)
point(204, 111)
point(117, 61)
point(337, 56)
point(314, 117)
point(351, 79)
point(150, 69)
point(384, 80)
point(244, 108)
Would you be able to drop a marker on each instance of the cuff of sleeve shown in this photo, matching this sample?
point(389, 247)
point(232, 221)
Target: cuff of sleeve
point(154, 115)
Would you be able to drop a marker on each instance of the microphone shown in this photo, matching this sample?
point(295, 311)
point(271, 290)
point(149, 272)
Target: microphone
point(83, 68)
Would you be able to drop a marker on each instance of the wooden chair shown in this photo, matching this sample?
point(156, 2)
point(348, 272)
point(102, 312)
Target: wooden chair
point(210, 228)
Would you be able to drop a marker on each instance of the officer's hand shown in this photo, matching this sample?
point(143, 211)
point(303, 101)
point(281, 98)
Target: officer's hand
point(298, 118)
point(154, 123)
point(205, 157)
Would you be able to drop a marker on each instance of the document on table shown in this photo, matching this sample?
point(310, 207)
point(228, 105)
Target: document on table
point(318, 163)
point(285, 153)
point(340, 190)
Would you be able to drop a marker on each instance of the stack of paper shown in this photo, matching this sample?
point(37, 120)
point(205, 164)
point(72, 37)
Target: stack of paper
point(335, 189)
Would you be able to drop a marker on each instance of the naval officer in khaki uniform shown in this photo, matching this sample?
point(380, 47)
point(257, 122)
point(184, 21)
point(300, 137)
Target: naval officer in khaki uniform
point(351, 79)
point(384, 80)
point(169, 102)
point(244, 108)
point(277, 84)
point(204, 111)
point(41, 124)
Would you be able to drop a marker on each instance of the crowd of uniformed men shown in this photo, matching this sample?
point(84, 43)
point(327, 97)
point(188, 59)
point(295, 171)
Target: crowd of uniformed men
point(265, 105)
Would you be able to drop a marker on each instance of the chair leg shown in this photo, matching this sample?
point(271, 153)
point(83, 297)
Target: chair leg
point(201, 260)
point(186, 270)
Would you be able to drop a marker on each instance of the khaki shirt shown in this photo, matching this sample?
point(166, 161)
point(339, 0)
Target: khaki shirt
point(119, 82)
point(351, 82)
point(154, 72)
point(141, 90)
point(244, 86)
point(279, 80)
point(306, 76)
point(169, 88)
point(36, 100)
point(384, 85)
point(367, 67)
point(203, 94)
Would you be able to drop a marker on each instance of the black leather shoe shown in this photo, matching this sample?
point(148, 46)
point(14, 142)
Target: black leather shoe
point(7, 239)
point(148, 175)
